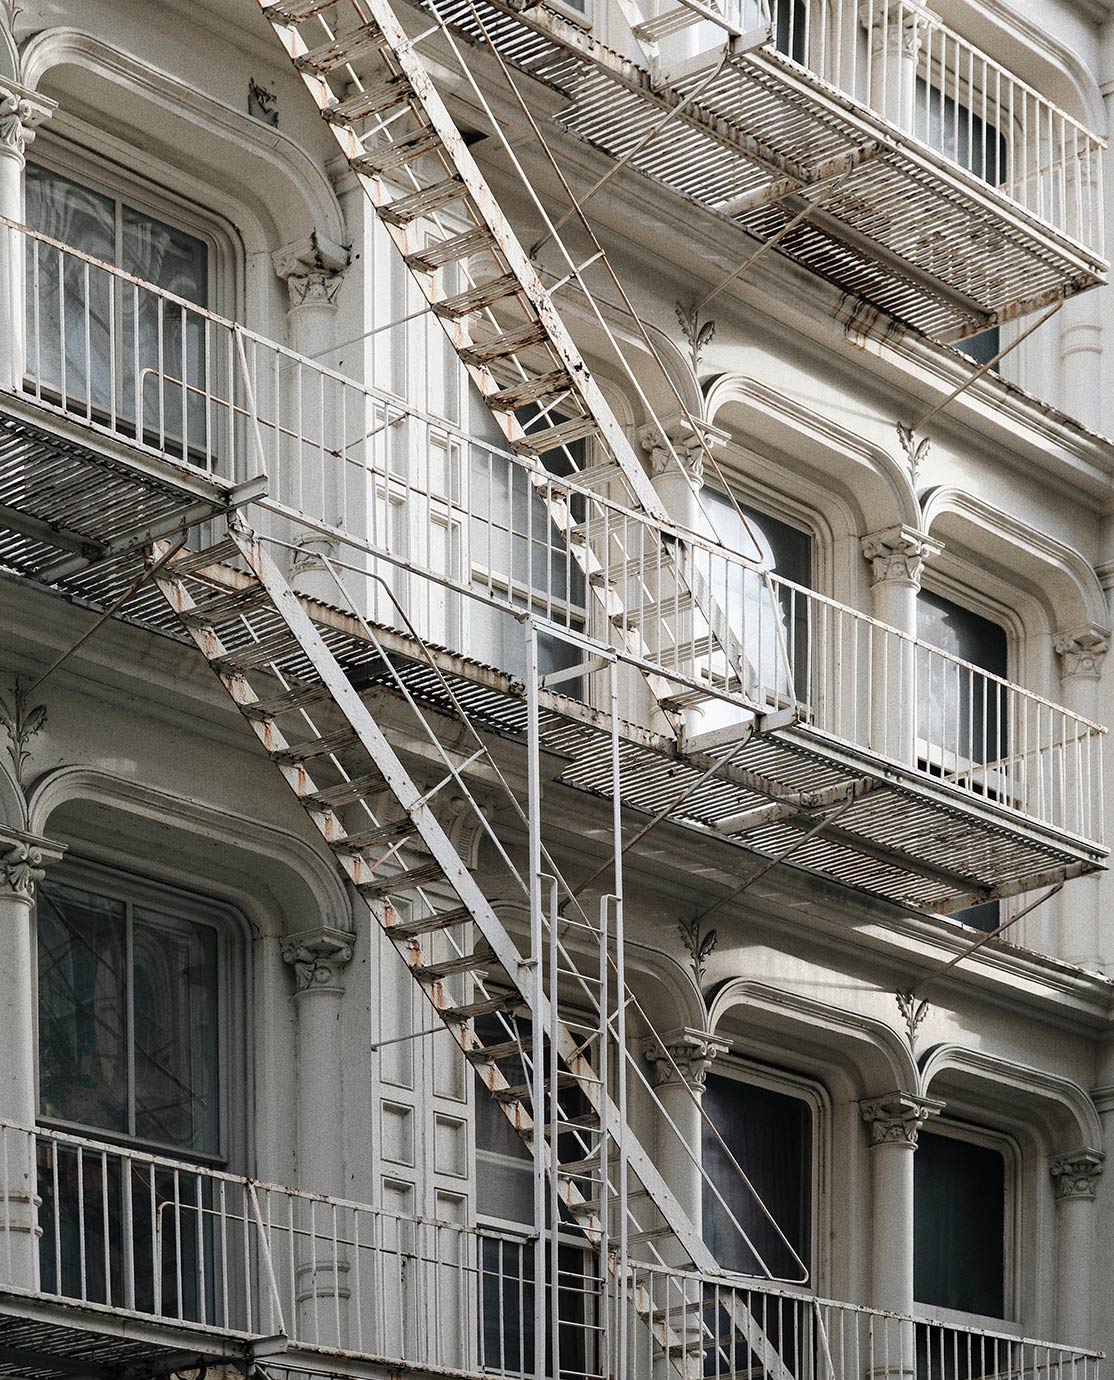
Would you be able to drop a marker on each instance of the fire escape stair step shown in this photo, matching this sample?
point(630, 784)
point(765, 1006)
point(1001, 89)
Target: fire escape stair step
point(502, 346)
point(297, 11)
point(390, 156)
point(372, 100)
point(481, 957)
point(543, 388)
point(348, 48)
point(266, 652)
point(488, 1006)
point(344, 792)
point(451, 249)
point(522, 1092)
point(295, 698)
point(408, 880)
point(402, 930)
point(476, 298)
point(391, 831)
point(555, 437)
point(331, 744)
point(492, 1054)
point(225, 607)
point(422, 203)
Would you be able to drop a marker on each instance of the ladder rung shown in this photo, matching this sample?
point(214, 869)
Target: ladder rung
point(344, 792)
point(407, 208)
point(482, 1008)
point(329, 56)
point(500, 346)
point(563, 434)
point(295, 11)
point(388, 157)
point(476, 298)
point(409, 880)
point(360, 839)
point(225, 607)
point(331, 743)
point(372, 100)
point(295, 698)
point(451, 249)
point(491, 1054)
point(261, 653)
point(462, 963)
point(428, 924)
point(519, 1092)
point(540, 389)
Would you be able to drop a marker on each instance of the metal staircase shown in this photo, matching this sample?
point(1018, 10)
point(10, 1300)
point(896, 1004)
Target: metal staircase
point(295, 675)
point(400, 141)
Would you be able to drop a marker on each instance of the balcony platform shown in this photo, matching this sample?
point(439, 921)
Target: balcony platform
point(44, 1338)
point(78, 507)
point(838, 811)
point(908, 231)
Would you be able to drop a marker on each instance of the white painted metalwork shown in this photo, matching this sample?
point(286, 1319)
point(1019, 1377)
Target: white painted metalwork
point(302, 1276)
point(939, 185)
point(448, 519)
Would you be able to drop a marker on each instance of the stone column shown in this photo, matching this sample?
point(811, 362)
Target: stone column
point(313, 270)
point(895, 33)
point(679, 1062)
point(897, 556)
point(1081, 353)
point(319, 958)
point(893, 1122)
point(1075, 1176)
point(23, 861)
point(21, 111)
point(1081, 652)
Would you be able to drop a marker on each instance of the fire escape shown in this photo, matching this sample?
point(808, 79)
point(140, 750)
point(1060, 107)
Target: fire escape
point(163, 497)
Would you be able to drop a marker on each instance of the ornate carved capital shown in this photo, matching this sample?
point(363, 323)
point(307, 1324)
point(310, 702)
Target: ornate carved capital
point(686, 444)
point(896, 1118)
point(1076, 1175)
point(1081, 651)
point(892, 33)
point(318, 958)
point(899, 554)
point(683, 1056)
point(313, 270)
point(21, 113)
point(24, 859)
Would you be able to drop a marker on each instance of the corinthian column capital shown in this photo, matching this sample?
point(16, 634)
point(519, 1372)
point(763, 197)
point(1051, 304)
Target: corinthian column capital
point(21, 113)
point(1076, 1174)
point(319, 958)
point(24, 859)
point(897, 1117)
point(898, 554)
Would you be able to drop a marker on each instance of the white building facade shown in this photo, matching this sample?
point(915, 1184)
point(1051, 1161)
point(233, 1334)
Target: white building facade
point(645, 830)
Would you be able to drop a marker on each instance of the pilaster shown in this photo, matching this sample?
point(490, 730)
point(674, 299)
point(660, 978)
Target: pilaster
point(1075, 1177)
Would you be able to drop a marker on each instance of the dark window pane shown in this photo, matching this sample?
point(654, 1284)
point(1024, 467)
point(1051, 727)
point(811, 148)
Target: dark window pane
point(83, 1064)
point(959, 1225)
point(961, 715)
point(770, 1135)
point(176, 1038)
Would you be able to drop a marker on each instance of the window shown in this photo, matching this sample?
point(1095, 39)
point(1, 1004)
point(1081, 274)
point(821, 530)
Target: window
point(99, 341)
point(960, 1225)
point(770, 1134)
point(129, 1018)
point(774, 616)
point(505, 1193)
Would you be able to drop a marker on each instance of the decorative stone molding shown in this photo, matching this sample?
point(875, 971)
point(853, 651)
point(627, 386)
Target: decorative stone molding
point(318, 958)
point(897, 1118)
point(24, 859)
point(898, 554)
point(313, 270)
point(21, 113)
point(686, 443)
point(1081, 651)
point(683, 1056)
point(1076, 1174)
point(887, 32)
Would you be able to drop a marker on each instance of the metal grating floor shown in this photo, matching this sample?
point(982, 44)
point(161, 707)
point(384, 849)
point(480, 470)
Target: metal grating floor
point(48, 1339)
point(907, 838)
point(932, 246)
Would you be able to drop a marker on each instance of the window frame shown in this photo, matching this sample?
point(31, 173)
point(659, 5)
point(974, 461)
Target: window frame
point(813, 1093)
point(986, 1137)
point(81, 164)
point(233, 1075)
